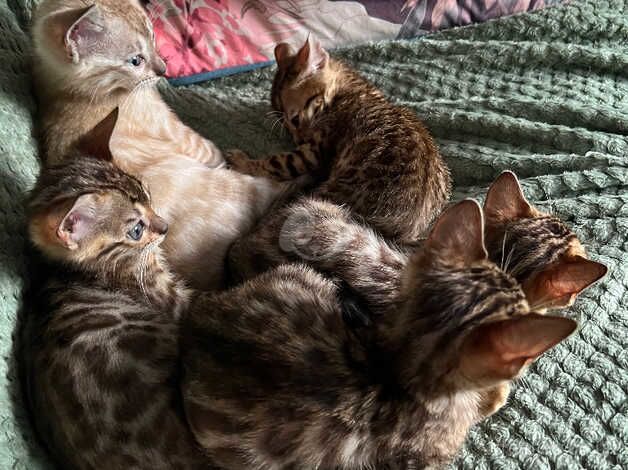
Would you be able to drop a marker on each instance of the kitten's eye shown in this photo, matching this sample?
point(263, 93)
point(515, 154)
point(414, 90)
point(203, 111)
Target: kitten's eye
point(295, 121)
point(136, 232)
point(136, 60)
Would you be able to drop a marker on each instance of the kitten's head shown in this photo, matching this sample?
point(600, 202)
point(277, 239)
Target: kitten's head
point(466, 324)
point(301, 83)
point(92, 215)
point(536, 248)
point(101, 48)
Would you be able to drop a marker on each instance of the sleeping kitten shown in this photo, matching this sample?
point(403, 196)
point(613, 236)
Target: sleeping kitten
point(368, 153)
point(94, 67)
point(275, 379)
point(100, 346)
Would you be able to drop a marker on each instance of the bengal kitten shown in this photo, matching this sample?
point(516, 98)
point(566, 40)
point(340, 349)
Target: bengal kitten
point(536, 248)
point(275, 379)
point(95, 66)
point(100, 345)
point(374, 156)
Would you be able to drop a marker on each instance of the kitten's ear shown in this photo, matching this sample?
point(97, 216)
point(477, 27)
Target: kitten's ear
point(78, 222)
point(283, 52)
point(559, 285)
point(88, 30)
point(311, 57)
point(505, 200)
point(459, 233)
point(96, 142)
point(498, 351)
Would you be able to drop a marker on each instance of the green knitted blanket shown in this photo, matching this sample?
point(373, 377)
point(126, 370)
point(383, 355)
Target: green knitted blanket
point(544, 94)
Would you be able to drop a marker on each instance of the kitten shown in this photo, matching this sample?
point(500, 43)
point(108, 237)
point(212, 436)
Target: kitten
point(93, 70)
point(368, 153)
point(101, 343)
point(275, 379)
point(538, 249)
point(89, 58)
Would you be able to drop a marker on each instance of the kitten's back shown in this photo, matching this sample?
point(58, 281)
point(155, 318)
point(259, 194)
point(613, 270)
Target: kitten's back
point(102, 373)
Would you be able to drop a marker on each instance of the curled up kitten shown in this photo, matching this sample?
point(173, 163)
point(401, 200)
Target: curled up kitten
point(274, 378)
point(537, 249)
point(368, 153)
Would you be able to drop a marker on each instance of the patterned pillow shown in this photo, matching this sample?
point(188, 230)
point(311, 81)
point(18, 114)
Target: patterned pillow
point(203, 39)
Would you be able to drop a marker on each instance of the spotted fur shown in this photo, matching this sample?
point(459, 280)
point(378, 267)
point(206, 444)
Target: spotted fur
point(274, 378)
point(372, 155)
point(100, 346)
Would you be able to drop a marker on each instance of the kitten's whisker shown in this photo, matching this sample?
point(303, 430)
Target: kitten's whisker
point(140, 86)
point(503, 249)
point(94, 93)
point(509, 259)
point(272, 128)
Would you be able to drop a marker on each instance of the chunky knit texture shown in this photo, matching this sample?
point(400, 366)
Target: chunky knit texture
point(544, 94)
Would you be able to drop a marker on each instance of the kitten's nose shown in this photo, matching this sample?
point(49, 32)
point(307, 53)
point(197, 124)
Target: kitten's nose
point(159, 225)
point(159, 66)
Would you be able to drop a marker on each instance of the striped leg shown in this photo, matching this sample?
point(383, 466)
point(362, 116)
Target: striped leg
point(282, 166)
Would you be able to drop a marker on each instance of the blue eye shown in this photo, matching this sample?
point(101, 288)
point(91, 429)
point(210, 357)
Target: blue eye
point(136, 60)
point(136, 232)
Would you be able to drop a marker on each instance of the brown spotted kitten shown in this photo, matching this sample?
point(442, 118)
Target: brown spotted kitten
point(536, 248)
point(101, 344)
point(275, 379)
point(368, 153)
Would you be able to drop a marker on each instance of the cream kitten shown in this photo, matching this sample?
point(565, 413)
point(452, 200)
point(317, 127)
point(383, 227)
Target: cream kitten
point(94, 67)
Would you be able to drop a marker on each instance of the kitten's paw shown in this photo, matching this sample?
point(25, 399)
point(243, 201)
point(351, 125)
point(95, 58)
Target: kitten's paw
point(494, 399)
point(237, 160)
point(315, 231)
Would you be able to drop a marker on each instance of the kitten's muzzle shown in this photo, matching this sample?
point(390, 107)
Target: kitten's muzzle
point(159, 67)
point(159, 225)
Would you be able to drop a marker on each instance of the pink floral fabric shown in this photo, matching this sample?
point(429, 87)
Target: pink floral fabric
point(200, 39)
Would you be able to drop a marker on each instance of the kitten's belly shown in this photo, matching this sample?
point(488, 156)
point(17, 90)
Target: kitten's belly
point(207, 210)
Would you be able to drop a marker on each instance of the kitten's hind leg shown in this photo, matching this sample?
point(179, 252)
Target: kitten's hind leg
point(282, 166)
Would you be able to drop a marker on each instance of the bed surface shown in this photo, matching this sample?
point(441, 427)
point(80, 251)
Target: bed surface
point(544, 94)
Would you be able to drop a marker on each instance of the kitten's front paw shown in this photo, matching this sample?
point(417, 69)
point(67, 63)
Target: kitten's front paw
point(237, 160)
